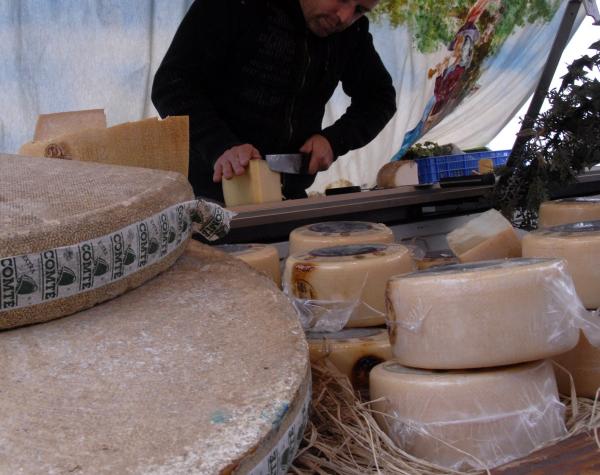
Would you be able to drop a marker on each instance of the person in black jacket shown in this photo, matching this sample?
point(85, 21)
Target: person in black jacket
point(254, 77)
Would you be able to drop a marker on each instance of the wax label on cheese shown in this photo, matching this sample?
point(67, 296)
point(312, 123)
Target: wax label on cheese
point(345, 334)
point(31, 279)
point(580, 199)
point(341, 227)
point(476, 266)
point(358, 250)
point(582, 227)
point(236, 248)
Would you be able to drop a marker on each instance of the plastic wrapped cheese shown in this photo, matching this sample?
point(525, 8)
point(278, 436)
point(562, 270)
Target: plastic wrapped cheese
point(204, 369)
point(579, 245)
point(344, 285)
point(262, 257)
point(73, 234)
point(353, 351)
point(436, 258)
point(583, 362)
point(569, 210)
point(476, 419)
point(488, 236)
point(482, 314)
point(338, 233)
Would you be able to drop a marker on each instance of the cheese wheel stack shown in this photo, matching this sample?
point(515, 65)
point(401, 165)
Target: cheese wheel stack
point(262, 257)
point(569, 210)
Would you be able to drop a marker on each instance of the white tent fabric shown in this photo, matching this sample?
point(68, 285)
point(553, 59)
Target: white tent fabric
point(84, 54)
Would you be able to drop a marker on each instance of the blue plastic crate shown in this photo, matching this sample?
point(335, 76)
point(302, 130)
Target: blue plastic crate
point(431, 169)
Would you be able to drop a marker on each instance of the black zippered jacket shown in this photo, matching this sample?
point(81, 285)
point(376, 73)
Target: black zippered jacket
point(250, 71)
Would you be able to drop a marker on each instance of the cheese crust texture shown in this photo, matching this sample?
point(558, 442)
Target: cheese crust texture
point(262, 257)
point(569, 210)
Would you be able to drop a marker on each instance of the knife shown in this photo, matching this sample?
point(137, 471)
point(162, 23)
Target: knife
point(295, 163)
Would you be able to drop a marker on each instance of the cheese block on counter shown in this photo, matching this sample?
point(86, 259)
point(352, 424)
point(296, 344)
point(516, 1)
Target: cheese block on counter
point(148, 143)
point(569, 210)
point(202, 370)
point(436, 258)
point(354, 351)
point(73, 234)
point(398, 173)
point(583, 362)
point(488, 236)
point(579, 245)
point(482, 314)
point(462, 420)
point(259, 184)
point(354, 273)
point(49, 126)
point(262, 257)
point(337, 233)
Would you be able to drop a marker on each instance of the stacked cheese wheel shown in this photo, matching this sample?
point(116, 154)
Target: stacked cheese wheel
point(579, 245)
point(262, 257)
point(479, 334)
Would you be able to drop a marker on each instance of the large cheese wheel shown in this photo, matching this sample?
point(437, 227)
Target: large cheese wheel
point(468, 419)
point(486, 237)
point(262, 257)
point(73, 234)
point(482, 314)
point(579, 245)
point(569, 210)
point(337, 233)
point(583, 362)
point(354, 351)
point(164, 379)
point(354, 273)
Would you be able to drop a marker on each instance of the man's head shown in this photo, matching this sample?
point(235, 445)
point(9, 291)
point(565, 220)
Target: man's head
point(325, 17)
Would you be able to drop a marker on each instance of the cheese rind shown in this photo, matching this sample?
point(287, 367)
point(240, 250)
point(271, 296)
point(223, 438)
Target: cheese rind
point(398, 173)
point(569, 210)
point(259, 184)
point(468, 419)
point(483, 314)
point(579, 245)
point(337, 233)
point(486, 237)
point(353, 274)
point(262, 257)
point(49, 126)
point(583, 362)
point(436, 258)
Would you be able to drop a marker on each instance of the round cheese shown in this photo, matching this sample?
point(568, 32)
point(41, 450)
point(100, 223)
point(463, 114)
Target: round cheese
point(73, 234)
point(436, 258)
point(583, 362)
point(579, 245)
point(164, 379)
point(337, 233)
point(261, 257)
point(482, 314)
point(354, 351)
point(569, 210)
point(468, 419)
point(353, 274)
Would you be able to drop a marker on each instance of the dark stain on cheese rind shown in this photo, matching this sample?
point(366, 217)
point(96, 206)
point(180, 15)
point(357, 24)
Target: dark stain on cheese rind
point(340, 227)
point(301, 287)
point(391, 318)
point(350, 250)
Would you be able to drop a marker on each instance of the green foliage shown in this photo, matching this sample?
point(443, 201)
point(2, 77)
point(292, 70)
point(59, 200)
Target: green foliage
point(564, 141)
point(427, 149)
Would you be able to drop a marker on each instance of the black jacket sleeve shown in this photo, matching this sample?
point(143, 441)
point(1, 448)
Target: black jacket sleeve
point(373, 97)
point(196, 56)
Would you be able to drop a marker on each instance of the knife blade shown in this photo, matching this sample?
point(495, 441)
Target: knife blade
point(295, 163)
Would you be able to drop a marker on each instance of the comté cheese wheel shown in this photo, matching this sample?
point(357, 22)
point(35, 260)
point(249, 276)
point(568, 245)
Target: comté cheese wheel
point(337, 233)
point(202, 370)
point(583, 362)
point(353, 351)
point(73, 234)
point(262, 257)
point(579, 245)
point(486, 237)
point(569, 210)
point(259, 184)
point(351, 273)
point(481, 314)
point(468, 419)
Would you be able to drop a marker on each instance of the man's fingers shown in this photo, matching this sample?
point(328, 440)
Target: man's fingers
point(218, 174)
point(227, 170)
point(313, 165)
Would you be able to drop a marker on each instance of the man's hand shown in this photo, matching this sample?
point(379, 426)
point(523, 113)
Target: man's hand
point(320, 152)
point(234, 161)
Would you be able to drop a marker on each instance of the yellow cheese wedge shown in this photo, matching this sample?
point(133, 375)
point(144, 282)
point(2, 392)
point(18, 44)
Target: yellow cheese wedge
point(149, 143)
point(49, 126)
point(337, 233)
point(345, 274)
point(261, 257)
point(398, 173)
point(569, 210)
point(258, 185)
point(354, 352)
point(583, 362)
point(481, 314)
point(579, 245)
point(488, 236)
point(468, 419)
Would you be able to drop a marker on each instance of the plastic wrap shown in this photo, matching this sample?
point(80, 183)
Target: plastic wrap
point(484, 314)
point(342, 286)
point(569, 210)
point(582, 364)
point(463, 420)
